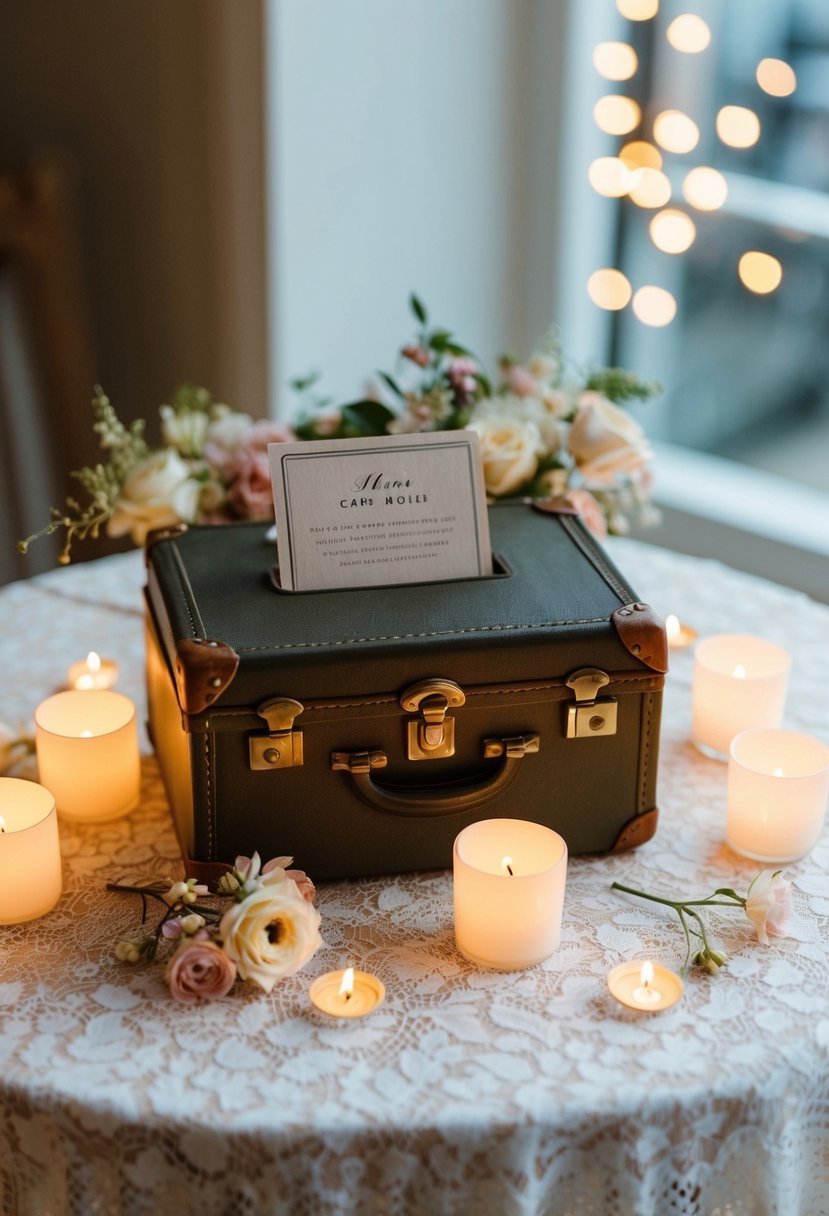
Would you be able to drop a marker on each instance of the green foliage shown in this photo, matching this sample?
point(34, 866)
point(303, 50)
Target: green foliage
point(417, 308)
point(620, 386)
point(362, 418)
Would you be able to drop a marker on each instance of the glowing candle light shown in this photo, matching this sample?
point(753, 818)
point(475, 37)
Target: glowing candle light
point(705, 188)
point(647, 987)
point(347, 994)
point(738, 126)
point(739, 683)
point(92, 672)
point(30, 864)
point(778, 782)
point(680, 636)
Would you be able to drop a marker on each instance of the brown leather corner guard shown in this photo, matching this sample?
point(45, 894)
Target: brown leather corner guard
point(636, 831)
point(204, 669)
point(642, 632)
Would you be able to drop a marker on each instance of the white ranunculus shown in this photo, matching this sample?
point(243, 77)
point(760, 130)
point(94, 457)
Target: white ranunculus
point(184, 430)
point(510, 449)
point(157, 493)
point(271, 933)
point(605, 442)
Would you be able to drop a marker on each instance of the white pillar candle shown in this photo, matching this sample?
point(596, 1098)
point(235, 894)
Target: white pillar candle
point(87, 753)
point(778, 782)
point(30, 869)
point(739, 684)
point(509, 880)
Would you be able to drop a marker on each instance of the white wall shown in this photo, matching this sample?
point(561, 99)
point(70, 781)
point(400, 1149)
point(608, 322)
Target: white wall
point(408, 151)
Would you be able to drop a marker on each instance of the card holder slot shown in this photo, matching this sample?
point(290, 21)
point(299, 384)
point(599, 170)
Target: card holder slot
point(500, 569)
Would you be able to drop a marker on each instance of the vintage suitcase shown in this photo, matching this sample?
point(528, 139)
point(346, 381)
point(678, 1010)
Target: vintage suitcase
point(360, 730)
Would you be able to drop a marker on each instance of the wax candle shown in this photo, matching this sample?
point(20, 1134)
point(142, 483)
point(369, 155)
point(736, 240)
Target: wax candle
point(348, 993)
point(778, 781)
point(92, 672)
point(509, 878)
point(647, 987)
point(739, 684)
point(87, 753)
point(30, 869)
point(680, 636)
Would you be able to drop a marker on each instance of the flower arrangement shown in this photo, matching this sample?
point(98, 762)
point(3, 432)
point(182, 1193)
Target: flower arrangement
point(270, 930)
point(767, 904)
point(543, 432)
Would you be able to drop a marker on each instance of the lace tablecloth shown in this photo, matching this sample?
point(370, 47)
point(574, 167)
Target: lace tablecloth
point(467, 1091)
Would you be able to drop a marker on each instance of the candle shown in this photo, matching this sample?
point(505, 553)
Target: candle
point(347, 994)
point(680, 636)
point(92, 672)
point(646, 986)
point(509, 878)
point(739, 684)
point(87, 753)
point(30, 870)
point(778, 782)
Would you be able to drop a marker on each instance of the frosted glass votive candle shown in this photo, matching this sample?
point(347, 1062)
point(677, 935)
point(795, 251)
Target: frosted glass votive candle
point(739, 684)
point(509, 878)
point(87, 753)
point(778, 782)
point(30, 866)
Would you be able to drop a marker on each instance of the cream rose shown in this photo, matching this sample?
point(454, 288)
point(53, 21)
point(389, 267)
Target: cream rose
point(227, 431)
point(271, 933)
point(159, 491)
point(184, 430)
point(510, 447)
point(538, 411)
point(605, 441)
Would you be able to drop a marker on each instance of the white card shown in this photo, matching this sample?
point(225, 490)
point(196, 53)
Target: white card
point(384, 510)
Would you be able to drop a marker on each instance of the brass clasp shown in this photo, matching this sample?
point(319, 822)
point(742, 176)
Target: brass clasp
point(281, 747)
point(591, 715)
point(431, 736)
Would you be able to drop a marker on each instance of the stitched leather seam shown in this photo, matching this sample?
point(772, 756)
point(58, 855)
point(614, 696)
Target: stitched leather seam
point(185, 588)
point(646, 750)
point(595, 557)
point(208, 738)
point(437, 633)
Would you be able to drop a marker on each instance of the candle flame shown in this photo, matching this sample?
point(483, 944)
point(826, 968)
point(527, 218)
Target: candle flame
point(93, 661)
point(739, 672)
point(646, 974)
point(778, 772)
point(86, 734)
point(347, 984)
point(83, 682)
point(672, 626)
point(506, 865)
point(2, 824)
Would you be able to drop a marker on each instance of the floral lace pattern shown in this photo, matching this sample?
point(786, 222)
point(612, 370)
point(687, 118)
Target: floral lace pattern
point(467, 1091)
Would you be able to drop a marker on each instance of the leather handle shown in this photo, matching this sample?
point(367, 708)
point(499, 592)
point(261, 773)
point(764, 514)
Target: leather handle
point(403, 800)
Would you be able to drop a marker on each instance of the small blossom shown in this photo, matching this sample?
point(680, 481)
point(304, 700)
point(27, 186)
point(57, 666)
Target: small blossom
point(417, 354)
point(128, 952)
point(228, 884)
point(768, 905)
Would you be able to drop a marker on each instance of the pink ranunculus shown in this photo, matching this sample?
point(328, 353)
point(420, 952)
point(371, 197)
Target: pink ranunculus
point(200, 970)
point(591, 513)
point(768, 905)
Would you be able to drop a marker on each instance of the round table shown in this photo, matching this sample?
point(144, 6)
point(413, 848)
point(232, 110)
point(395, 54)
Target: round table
point(468, 1091)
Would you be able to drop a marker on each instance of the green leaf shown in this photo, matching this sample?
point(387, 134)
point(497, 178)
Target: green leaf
point(485, 383)
point(619, 386)
point(440, 340)
point(455, 348)
point(392, 383)
point(417, 308)
point(301, 383)
point(366, 417)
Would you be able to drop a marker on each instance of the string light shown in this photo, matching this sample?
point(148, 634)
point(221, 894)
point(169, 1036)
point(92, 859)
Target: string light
point(688, 33)
point(616, 115)
point(609, 289)
point(675, 131)
point(776, 77)
point(612, 176)
point(615, 60)
point(738, 127)
point(638, 10)
point(652, 190)
point(760, 272)
point(705, 188)
point(672, 231)
point(654, 306)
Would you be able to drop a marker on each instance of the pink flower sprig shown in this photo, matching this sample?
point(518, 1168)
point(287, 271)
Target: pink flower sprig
point(767, 904)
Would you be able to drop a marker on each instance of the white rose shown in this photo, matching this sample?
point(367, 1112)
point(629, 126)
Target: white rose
point(158, 492)
point(536, 410)
point(185, 431)
point(226, 432)
point(605, 442)
point(510, 449)
point(271, 933)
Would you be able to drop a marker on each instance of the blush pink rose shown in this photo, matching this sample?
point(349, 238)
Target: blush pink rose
point(200, 970)
point(592, 515)
point(768, 905)
point(248, 471)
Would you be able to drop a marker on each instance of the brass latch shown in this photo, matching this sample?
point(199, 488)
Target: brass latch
point(592, 714)
point(281, 747)
point(431, 735)
point(514, 747)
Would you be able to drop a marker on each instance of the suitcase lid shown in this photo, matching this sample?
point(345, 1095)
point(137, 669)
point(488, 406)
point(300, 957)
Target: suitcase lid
point(555, 604)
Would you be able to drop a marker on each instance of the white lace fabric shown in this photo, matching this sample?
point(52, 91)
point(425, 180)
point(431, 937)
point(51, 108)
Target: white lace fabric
point(467, 1092)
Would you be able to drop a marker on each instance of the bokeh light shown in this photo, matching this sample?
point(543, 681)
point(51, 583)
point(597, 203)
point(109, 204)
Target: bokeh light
point(638, 10)
point(705, 188)
point(688, 33)
point(675, 131)
point(760, 272)
point(738, 127)
point(615, 60)
point(641, 154)
point(609, 289)
point(616, 115)
point(776, 77)
point(612, 177)
point(652, 190)
point(672, 231)
point(654, 306)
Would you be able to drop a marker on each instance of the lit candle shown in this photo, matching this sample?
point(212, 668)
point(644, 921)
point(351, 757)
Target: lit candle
point(646, 986)
point(680, 636)
point(92, 672)
point(87, 753)
point(347, 994)
point(739, 684)
point(778, 781)
point(509, 878)
point(30, 870)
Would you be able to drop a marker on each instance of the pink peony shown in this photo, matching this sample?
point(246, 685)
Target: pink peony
point(200, 970)
point(590, 512)
point(248, 471)
point(768, 905)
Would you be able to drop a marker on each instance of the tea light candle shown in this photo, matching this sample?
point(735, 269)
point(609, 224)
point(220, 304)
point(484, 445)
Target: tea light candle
point(509, 878)
point(347, 994)
point(739, 684)
point(647, 986)
point(30, 869)
point(92, 672)
point(778, 781)
point(87, 753)
point(680, 636)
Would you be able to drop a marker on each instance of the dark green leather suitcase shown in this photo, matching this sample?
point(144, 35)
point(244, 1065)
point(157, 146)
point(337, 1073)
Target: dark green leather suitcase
point(360, 730)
